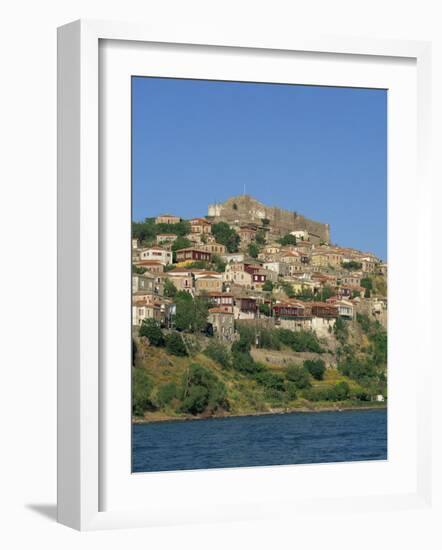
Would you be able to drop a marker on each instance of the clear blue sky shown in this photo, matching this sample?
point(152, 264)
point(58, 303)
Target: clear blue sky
point(320, 151)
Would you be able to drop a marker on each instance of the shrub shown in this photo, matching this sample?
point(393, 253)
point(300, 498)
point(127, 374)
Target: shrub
point(270, 380)
point(355, 266)
point(151, 329)
point(141, 390)
point(288, 289)
point(276, 397)
point(253, 250)
point(260, 237)
point(175, 344)
point(147, 230)
point(268, 339)
point(219, 263)
point(191, 313)
point(340, 330)
point(286, 337)
point(268, 286)
point(196, 400)
point(316, 367)
point(166, 393)
point(264, 309)
point(364, 321)
point(367, 283)
point(202, 390)
point(219, 353)
point(292, 391)
point(342, 390)
point(139, 270)
point(170, 289)
point(225, 235)
point(300, 341)
point(180, 243)
point(244, 343)
point(299, 376)
point(320, 394)
point(243, 362)
point(287, 240)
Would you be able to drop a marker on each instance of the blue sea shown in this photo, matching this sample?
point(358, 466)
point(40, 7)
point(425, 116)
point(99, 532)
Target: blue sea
point(293, 438)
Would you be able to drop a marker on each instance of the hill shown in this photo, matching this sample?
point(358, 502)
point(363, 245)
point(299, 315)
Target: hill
point(346, 370)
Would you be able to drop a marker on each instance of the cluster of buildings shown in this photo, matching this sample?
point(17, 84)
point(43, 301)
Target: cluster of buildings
point(254, 288)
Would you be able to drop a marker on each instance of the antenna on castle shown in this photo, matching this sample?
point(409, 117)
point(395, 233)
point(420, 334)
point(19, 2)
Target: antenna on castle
point(244, 189)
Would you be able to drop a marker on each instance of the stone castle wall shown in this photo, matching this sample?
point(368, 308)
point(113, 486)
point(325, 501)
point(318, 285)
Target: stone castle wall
point(246, 209)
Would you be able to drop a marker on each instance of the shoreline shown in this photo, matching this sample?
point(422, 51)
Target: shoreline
point(190, 418)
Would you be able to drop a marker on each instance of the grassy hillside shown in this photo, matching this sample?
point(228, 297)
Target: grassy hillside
point(289, 371)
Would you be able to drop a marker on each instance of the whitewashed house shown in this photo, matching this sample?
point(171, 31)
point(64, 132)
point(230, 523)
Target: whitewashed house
point(158, 254)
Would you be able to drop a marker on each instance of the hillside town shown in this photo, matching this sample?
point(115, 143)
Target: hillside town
point(252, 263)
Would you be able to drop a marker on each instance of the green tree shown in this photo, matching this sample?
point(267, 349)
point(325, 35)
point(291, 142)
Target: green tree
point(292, 391)
point(288, 289)
point(325, 293)
point(342, 391)
point(287, 240)
point(179, 243)
point(260, 237)
point(316, 367)
point(147, 230)
point(144, 231)
point(202, 390)
point(299, 376)
point(268, 286)
point(300, 341)
point(219, 353)
point(340, 330)
point(139, 270)
point(191, 313)
point(253, 250)
point(367, 283)
point(181, 228)
point(166, 393)
point(264, 309)
point(141, 389)
point(243, 345)
point(352, 265)
point(268, 339)
point(270, 380)
point(170, 289)
point(175, 344)
point(151, 329)
point(219, 263)
point(225, 235)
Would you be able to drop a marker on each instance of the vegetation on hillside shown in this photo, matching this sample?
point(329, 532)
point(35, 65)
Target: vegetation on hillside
point(147, 231)
point(212, 378)
point(225, 235)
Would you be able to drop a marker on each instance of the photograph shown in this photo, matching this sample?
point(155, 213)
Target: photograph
point(259, 274)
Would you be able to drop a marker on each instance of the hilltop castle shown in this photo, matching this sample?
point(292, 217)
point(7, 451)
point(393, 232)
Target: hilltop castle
point(244, 209)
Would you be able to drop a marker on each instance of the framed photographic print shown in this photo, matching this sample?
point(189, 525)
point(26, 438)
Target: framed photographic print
point(248, 317)
point(231, 276)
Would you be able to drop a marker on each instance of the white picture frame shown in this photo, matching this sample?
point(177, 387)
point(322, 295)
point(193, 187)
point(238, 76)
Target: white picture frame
point(81, 470)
